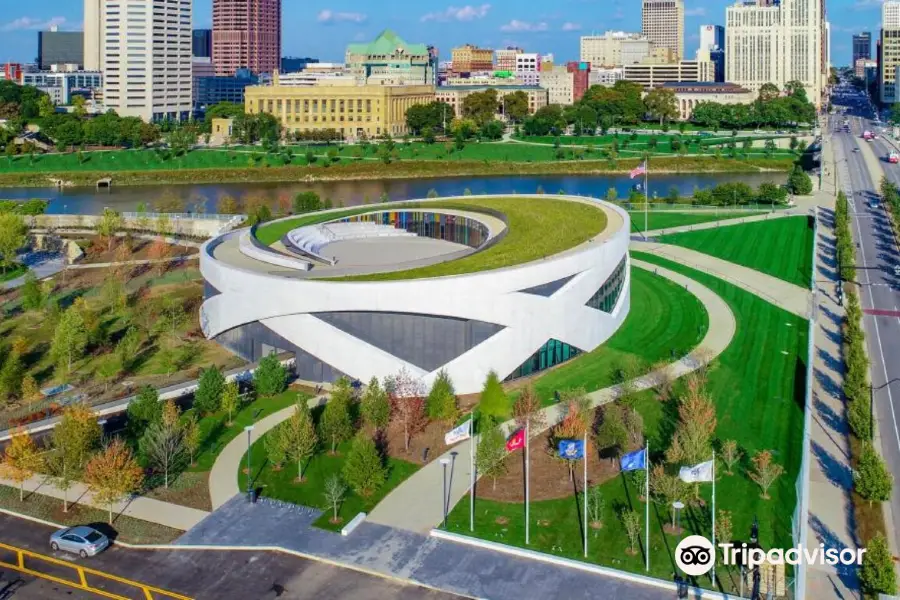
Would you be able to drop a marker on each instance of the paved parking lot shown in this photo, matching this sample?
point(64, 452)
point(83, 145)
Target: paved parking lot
point(15, 586)
point(212, 574)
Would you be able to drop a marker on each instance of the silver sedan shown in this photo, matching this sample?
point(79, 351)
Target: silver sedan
point(82, 540)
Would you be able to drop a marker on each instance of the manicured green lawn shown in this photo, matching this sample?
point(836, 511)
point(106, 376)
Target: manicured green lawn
point(216, 434)
point(666, 220)
point(538, 227)
point(664, 320)
point(780, 247)
point(17, 270)
point(281, 485)
point(757, 385)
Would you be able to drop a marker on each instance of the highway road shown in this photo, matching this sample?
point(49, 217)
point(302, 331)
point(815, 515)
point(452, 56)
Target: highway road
point(877, 257)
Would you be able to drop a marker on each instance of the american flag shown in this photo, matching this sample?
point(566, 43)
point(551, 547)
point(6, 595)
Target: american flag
point(639, 170)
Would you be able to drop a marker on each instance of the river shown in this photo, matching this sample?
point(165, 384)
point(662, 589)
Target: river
point(350, 193)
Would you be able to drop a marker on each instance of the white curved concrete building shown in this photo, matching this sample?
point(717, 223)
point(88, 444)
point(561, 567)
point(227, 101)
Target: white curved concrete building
point(515, 320)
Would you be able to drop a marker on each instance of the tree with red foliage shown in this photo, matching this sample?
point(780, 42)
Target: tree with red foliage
point(407, 394)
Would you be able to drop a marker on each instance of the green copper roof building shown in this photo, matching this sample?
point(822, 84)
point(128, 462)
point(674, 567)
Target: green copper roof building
point(390, 60)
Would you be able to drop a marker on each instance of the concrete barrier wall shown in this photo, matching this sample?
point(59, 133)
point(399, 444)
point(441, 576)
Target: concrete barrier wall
point(189, 226)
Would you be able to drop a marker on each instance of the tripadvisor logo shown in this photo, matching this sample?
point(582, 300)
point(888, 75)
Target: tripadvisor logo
point(695, 555)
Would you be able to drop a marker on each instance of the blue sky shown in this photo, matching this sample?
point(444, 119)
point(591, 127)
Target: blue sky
point(322, 28)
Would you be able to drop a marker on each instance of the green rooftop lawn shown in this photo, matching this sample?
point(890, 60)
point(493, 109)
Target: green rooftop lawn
point(757, 385)
point(538, 228)
point(780, 247)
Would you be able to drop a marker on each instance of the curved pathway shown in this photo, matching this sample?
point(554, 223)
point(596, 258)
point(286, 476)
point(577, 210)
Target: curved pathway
point(416, 504)
point(782, 294)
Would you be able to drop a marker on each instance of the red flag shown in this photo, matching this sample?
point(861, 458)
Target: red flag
point(516, 441)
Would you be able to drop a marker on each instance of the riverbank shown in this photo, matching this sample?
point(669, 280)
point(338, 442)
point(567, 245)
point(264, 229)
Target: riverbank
point(404, 169)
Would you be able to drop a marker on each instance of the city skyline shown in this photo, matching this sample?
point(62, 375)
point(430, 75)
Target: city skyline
point(496, 24)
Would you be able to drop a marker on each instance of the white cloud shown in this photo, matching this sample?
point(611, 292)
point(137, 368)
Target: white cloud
point(329, 17)
point(524, 26)
point(571, 27)
point(695, 12)
point(463, 13)
point(27, 23)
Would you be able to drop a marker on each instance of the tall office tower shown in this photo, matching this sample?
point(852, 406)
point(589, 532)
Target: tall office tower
point(862, 46)
point(246, 34)
point(663, 22)
point(890, 52)
point(60, 48)
point(145, 56)
point(712, 37)
point(769, 42)
point(201, 43)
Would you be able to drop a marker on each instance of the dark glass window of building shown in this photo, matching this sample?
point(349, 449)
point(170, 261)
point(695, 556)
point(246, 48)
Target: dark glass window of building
point(60, 48)
point(202, 43)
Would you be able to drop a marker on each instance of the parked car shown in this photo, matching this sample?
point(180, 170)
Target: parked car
point(82, 540)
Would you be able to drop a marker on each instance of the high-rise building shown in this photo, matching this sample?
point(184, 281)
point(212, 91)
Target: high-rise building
point(246, 34)
point(614, 49)
point(472, 59)
point(201, 43)
point(505, 59)
point(862, 46)
point(145, 56)
point(663, 22)
point(391, 60)
point(712, 37)
point(768, 42)
point(581, 78)
point(889, 58)
point(293, 64)
point(60, 48)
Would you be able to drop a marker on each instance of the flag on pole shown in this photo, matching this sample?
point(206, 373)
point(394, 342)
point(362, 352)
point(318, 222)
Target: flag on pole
point(634, 461)
point(697, 473)
point(571, 449)
point(516, 441)
point(459, 434)
point(641, 169)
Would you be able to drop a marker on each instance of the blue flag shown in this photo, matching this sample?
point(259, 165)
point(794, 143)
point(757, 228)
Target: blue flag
point(571, 449)
point(635, 461)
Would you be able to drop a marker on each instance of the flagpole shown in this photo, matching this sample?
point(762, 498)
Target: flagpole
point(585, 458)
point(647, 196)
point(527, 516)
point(714, 516)
point(647, 500)
point(472, 478)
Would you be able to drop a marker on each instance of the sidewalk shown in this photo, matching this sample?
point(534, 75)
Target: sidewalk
point(416, 504)
point(147, 509)
point(780, 214)
point(830, 477)
point(174, 259)
point(788, 296)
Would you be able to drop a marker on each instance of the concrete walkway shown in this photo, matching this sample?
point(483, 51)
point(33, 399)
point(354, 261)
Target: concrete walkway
point(147, 509)
point(830, 480)
point(223, 478)
point(788, 296)
point(174, 259)
point(779, 214)
point(413, 505)
point(42, 264)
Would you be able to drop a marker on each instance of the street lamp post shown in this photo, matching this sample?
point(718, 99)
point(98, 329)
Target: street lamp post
point(249, 430)
point(444, 463)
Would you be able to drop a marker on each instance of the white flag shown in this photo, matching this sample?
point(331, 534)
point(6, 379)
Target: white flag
point(697, 473)
point(458, 434)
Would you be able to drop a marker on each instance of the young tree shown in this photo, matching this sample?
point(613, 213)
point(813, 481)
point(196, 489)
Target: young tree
point(31, 393)
point(665, 489)
point(275, 444)
point(69, 340)
point(724, 528)
point(441, 402)
point(32, 295)
point(407, 404)
point(527, 409)
point(335, 424)
point(334, 495)
point(877, 575)
point(112, 474)
point(163, 445)
point(142, 411)
point(208, 397)
point(20, 460)
point(596, 507)
point(300, 436)
point(490, 455)
point(12, 237)
point(231, 399)
point(632, 524)
point(192, 436)
point(72, 441)
point(696, 426)
point(493, 402)
point(612, 435)
point(11, 374)
point(128, 347)
point(765, 472)
point(160, 252)
point(270, 377)
point(375, 406)
point(731, 454)
point(108, 226)
point(871, 478)
point(364, 468)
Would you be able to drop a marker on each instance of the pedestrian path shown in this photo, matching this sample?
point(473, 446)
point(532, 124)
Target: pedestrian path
point(139, 262)
point(171, 515)
point(768, 216)
point(415, 505)
point(788, 296)
point(42, 264)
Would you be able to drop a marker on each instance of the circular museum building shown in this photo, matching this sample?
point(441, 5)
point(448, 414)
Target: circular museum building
point(513, 284)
